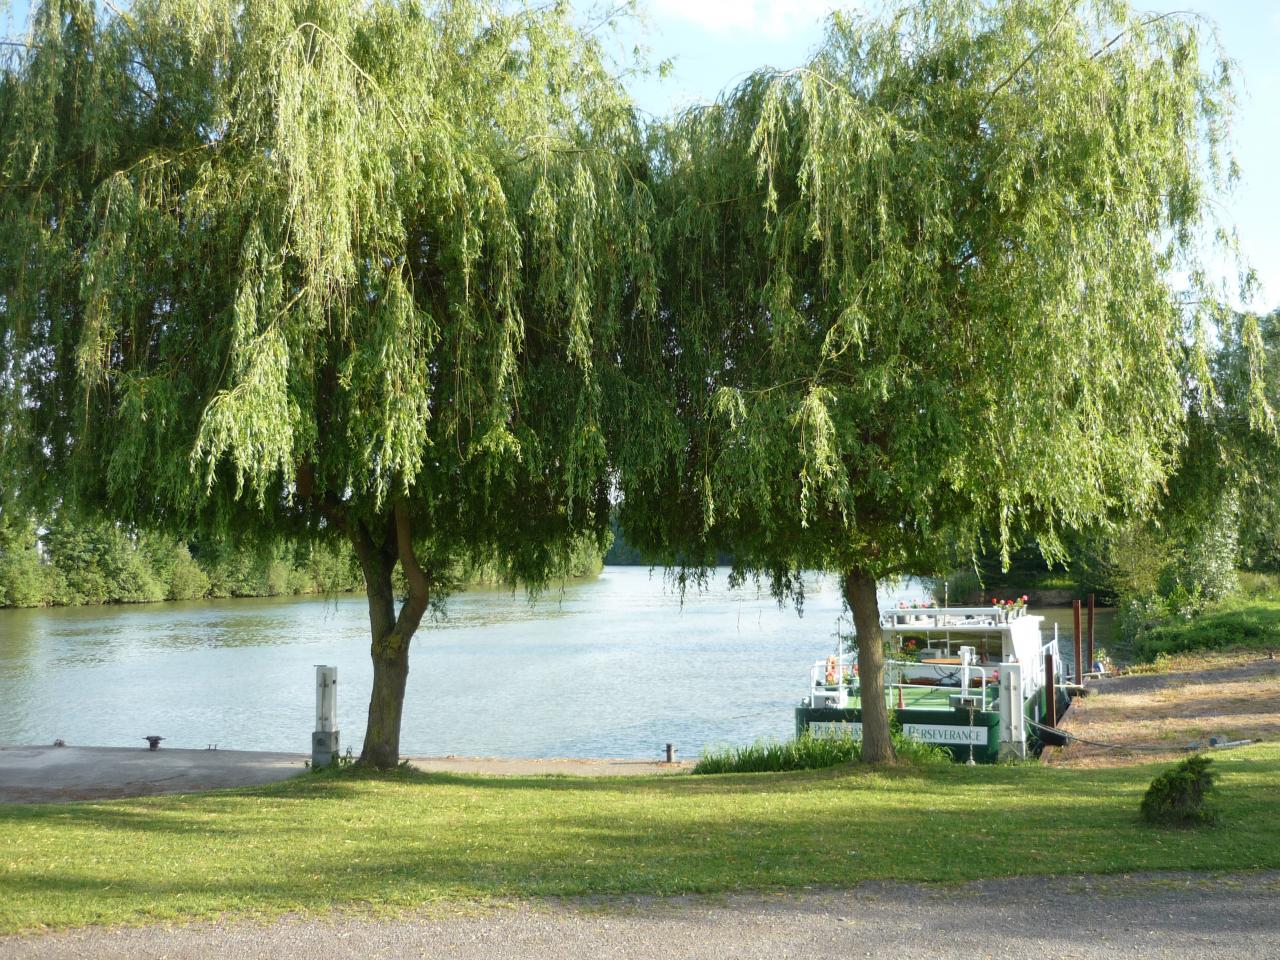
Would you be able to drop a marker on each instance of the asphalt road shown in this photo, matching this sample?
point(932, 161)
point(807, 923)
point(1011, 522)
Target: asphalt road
point(1152, 916)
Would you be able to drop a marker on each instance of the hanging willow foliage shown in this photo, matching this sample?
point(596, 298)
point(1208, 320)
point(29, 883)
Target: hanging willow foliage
point(915, 294)
point(318, 267)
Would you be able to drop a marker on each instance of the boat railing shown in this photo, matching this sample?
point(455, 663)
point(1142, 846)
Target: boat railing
point(845, 665)
point(842, 665)
point(941, 617)
point(895, 679)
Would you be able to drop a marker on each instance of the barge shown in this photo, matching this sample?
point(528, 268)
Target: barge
point(965, 678)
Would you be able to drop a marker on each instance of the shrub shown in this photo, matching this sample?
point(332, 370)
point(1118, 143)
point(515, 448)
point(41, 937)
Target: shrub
point(186, 580)
point(24, 581)
point(1180, 797)
point(1138, 616)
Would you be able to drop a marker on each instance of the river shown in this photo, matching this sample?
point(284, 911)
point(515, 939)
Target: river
point(611, 667)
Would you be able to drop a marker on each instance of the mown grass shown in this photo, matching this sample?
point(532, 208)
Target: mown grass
point(1241, 624)
point(406, 840)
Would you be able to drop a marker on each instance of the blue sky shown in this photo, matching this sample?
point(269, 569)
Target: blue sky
point(714, 43)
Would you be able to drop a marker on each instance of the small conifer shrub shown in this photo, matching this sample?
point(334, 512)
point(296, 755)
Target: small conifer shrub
point(1181, 796)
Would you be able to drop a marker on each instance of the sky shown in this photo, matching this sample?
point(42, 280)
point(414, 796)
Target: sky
point(715, 43)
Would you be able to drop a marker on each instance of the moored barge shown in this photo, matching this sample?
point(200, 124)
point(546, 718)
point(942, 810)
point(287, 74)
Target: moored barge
point(966, 678)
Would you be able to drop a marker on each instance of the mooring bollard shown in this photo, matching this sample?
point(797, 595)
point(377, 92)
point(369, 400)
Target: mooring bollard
point(1089, 633)
point(671, 753)
point(1050, 693)
point(1075, 617)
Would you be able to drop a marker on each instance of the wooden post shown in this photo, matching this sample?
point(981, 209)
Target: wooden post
point(1090, 660)
point(1075, 639)
point(1050, 693)
point(671, 753)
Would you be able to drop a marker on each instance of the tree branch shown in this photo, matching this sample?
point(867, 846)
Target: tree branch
point(419, 584)
point(1142, 23)
point(1027, 59)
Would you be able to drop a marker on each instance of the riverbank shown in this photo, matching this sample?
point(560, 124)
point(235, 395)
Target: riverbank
point(1159, 712)
point(65, 774)
point(392, 843)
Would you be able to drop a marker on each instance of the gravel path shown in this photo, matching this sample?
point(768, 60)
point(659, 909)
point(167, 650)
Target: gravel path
point(1150, 916)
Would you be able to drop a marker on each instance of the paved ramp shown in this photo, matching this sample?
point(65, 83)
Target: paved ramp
point(59, 774)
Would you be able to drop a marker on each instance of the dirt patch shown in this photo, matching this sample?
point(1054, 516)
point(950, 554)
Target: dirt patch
point(1141, 717)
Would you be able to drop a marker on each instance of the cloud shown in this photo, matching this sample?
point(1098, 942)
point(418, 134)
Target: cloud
point(764, 18)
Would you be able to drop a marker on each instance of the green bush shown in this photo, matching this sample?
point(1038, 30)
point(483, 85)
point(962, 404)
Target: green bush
point(24, 581)
point(186, 580)
point(1181, 797)
point(809, 753)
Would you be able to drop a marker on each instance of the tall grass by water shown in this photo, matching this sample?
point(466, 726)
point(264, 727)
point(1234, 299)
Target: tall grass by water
point(809, 753)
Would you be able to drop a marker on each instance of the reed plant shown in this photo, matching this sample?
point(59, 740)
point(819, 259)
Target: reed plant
point(808, 752)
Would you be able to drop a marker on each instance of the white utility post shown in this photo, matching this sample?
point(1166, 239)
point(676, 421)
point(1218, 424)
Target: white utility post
point(324, 740)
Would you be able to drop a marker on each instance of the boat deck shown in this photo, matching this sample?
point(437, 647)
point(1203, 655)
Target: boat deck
point(924, 698)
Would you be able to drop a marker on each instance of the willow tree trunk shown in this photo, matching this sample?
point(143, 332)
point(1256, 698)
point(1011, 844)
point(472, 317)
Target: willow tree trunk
point(392, 633)
point(390, 652)
point(860, 594)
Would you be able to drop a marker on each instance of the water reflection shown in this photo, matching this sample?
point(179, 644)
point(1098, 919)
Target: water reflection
point(617, 666)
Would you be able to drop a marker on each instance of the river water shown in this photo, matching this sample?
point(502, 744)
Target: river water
point(611, 667)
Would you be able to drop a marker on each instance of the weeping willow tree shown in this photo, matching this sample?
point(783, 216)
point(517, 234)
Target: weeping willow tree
point(916, 293)
point(315, 268)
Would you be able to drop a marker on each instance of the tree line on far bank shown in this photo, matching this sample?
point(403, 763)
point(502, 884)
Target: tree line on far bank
point(88, 562)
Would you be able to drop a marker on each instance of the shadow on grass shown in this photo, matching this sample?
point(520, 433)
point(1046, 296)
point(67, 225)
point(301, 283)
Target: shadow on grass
point(550, 824)
point(406, 838)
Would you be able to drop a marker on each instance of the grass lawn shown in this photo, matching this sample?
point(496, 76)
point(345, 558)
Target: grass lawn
point(1235, 624)
point(404, 840)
